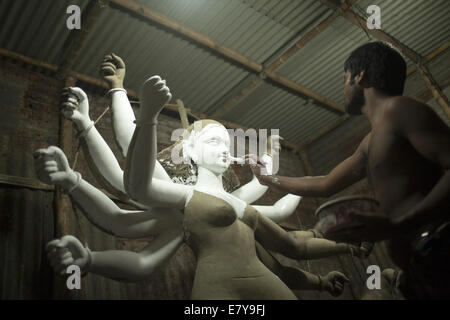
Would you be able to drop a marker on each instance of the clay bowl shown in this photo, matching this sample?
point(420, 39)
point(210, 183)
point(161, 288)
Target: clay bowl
point(334, 220)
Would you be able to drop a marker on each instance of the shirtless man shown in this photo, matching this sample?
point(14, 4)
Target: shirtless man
point(406, 158)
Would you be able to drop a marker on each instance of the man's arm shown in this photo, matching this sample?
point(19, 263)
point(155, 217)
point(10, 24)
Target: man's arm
point(348, 172)
point(430, 136)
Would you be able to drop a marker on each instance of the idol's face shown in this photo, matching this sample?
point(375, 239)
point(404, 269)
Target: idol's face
point(353, 94)
point(212, 149)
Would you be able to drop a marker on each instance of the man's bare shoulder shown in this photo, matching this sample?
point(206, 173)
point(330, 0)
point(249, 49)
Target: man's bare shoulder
point(404, 110)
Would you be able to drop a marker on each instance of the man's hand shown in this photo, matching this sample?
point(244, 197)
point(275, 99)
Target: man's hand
point(52, 167)
point(113, 70)
point(75, 107)
point(153, 96)
point(65, 252)
point(258, 169)
point(334, 283)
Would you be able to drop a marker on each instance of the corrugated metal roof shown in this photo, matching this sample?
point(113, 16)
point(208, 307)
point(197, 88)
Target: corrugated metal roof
point(259, 30)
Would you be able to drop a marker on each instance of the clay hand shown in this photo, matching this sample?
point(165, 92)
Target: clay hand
point(65, 252)
point(52, 167)
point(334, 283)
point(153, 96)
point(362, 250)
point(113, 70)
point(258, 169)
point(75, 107)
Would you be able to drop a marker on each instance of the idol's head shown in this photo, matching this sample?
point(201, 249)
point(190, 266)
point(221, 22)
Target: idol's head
point(208, 146)
point(372, 65)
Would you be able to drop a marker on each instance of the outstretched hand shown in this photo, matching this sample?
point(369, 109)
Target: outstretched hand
point(258, 168)
point(52, 167)
point(334, 283)
point(75, 107)
point(153, 96)
point(65, 252)
point(112, 70)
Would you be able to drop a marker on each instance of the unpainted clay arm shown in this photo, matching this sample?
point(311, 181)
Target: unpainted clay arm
point(107, 216)
point(132, 266)
point(123, 128)
point(282, 209)
point(274, 238)
point(140, 182)
point(251, 191)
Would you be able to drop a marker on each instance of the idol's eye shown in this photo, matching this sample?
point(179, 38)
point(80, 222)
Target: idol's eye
point(213, 141)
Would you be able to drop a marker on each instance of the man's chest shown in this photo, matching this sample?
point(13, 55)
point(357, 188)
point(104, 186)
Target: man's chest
point(386, 152)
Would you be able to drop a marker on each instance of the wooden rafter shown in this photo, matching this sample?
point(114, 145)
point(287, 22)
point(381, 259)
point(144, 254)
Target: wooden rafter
point(157, 18)
point(282, 59)
point(77, 38)
point(130, 92)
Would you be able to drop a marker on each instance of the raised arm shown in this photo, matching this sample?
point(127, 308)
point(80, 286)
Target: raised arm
point(101, 159)
point(345, 174)
point(140, 181)
point(52, 168)
point(113, 70)
point(121, 265)
point(282, 209)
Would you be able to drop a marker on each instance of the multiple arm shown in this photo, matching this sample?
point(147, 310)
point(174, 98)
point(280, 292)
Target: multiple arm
point(140, 181)
point(52, 167)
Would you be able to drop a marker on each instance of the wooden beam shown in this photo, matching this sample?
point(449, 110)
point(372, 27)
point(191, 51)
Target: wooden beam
point(63, 212)
point(183, 114)
point(164, 21)
point(429, 57)
point(173, 26)
point(440, 97)
point(77, 38)
point(354, 18)
point(304, 91)
point(324, 24)
point(282, 59)
point(24, 182)
point(131, 93)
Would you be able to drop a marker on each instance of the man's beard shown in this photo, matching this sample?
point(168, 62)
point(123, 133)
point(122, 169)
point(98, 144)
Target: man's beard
point(357, 101)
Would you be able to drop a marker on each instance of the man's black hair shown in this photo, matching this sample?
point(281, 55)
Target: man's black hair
point(385, 68)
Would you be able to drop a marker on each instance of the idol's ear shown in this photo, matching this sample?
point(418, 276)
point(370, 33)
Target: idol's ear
point(188, 151)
